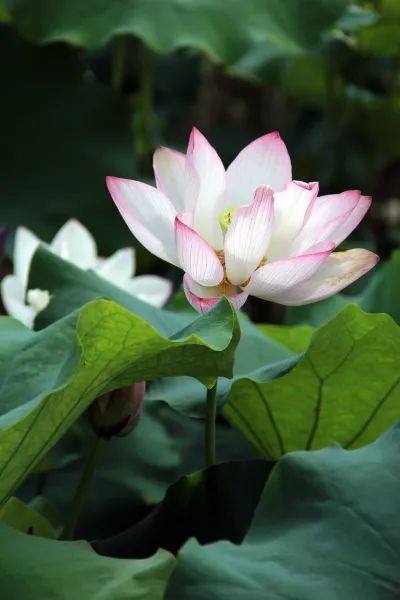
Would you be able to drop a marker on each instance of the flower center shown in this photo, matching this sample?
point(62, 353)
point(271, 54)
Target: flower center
point(38, 299)
point(227, 288)
point(225, 218)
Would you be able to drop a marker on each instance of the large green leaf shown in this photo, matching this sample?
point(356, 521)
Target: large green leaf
point(52, 376)
point(166, 26)
point(133, 473)
point(25, 518)
point(37, 568)
point(382, 294)
point(296, 338)
point(257, 356)
point(345, 389)
point(61, 137)
point(327, 527)
point(71, 287)
point(208, 505)
point(264, 351)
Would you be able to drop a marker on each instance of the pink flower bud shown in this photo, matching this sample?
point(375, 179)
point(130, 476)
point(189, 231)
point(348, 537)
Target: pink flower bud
point(118, 412)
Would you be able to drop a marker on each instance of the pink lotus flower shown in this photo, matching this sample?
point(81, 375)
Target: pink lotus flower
point(248, 230)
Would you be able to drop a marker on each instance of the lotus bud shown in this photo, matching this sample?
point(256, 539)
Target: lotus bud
point(118, 412)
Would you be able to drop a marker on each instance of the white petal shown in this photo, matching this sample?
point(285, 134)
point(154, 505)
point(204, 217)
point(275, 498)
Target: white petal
point(204, 299)
point(291, 209)
point(119, 267)
point(149, 215)
point(12, 295)
point(338, 271)
point(150, 288)
point(25, 246)
point(248, 236)
point(263, 162)
point(196, 256)
point(277, 276)
point(325, 218)
point(205, 180)
point(169, 171)
point(74, 243)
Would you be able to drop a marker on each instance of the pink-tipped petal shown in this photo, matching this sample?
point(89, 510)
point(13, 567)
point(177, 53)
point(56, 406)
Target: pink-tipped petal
point(204, 299)
point(292, 207)
point(149, 215)
point(248, 235)
point(200, 304)
point(205, 187)
point(332, 206)
point(279, 275)
point(345, 228)
point(263, 162)
point(338, 271)
point(169, 172)
point(327, 215)
point(196, 257)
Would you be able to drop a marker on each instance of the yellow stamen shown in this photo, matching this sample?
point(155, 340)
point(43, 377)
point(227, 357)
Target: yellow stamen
point(226, 287)
point(225, 218)
point(262, 262)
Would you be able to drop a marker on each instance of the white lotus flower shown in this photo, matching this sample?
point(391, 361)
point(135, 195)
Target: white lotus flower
point(75, 244)
point(247, 230)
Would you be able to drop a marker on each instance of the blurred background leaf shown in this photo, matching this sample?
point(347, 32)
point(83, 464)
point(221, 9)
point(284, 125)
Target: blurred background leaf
point(222, 29)
point(60, 138)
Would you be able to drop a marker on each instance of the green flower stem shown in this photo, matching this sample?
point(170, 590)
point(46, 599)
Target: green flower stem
point(118, 62)
point(41, 481)
point(211, 413)
point(82, 489)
